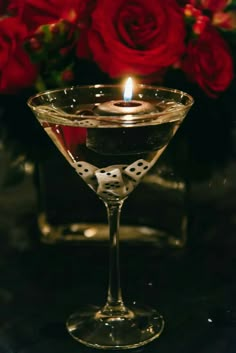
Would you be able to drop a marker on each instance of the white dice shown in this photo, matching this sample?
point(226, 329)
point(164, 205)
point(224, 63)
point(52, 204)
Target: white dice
point(87, 172)
point(110, 181)
point(137, 169)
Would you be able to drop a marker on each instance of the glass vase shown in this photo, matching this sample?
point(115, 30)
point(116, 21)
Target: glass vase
point(156, 213)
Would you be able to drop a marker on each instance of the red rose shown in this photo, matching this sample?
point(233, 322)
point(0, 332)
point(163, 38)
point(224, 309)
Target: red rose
point(34, 13)
point(69, 137)
point(73, 137)
point(208, 62)
point(16, 70)
point(135, 37)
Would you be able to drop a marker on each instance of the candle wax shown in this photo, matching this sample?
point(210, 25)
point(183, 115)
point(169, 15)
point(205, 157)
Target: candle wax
point(133, 107)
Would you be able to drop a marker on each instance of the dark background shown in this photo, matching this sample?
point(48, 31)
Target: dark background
point(194, 287)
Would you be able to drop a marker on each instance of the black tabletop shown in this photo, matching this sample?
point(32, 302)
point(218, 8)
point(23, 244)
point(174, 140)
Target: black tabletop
point(42, 284)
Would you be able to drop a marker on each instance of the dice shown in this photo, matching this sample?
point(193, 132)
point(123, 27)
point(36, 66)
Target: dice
point(110, 181)
point(87, 172)
point(137, 169)
point(87, 123)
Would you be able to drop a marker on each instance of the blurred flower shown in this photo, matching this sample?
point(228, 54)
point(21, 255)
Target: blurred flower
point(16, 69)
point(203, 64)
point(214, 5)
point(44, 43)
point(225, 20)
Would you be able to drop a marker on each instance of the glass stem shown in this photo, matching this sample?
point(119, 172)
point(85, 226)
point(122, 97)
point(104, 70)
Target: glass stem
point(114, 303)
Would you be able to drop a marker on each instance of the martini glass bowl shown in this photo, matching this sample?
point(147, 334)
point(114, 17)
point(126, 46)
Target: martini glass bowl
point(112, 144)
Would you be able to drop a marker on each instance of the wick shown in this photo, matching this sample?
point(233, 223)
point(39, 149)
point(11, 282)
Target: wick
point(127, 104)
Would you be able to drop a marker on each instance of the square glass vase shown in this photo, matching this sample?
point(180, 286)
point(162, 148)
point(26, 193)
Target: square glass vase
point(155, 213)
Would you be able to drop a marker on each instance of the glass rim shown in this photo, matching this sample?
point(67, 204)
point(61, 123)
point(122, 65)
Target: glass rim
point(112, 117)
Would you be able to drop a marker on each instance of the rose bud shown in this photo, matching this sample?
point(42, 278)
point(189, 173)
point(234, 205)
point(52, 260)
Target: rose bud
point(71, 16)
point(188, 10)
point(35, 44)
point(64, 51)
point(196, 12)
point(225, 20)
point(215, 5)
point(67, 75)
point(200, 24)
point(54, 28)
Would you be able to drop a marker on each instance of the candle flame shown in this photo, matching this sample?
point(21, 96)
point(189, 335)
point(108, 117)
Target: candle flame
point(128, 92)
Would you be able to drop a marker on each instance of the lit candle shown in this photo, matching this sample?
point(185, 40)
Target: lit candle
point(126, 106)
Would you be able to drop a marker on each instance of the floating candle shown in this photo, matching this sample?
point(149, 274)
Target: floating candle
point(127, 106)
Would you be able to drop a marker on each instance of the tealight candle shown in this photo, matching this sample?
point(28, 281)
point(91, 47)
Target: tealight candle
point(126, 106)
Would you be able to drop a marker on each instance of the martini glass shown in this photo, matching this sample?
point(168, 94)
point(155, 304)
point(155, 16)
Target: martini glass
point(112, 144)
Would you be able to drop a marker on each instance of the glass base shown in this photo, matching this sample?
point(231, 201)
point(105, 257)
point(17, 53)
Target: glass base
point(137, 327)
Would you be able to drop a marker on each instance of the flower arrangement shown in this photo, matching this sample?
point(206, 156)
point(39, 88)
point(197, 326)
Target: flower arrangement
point(44, 43)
